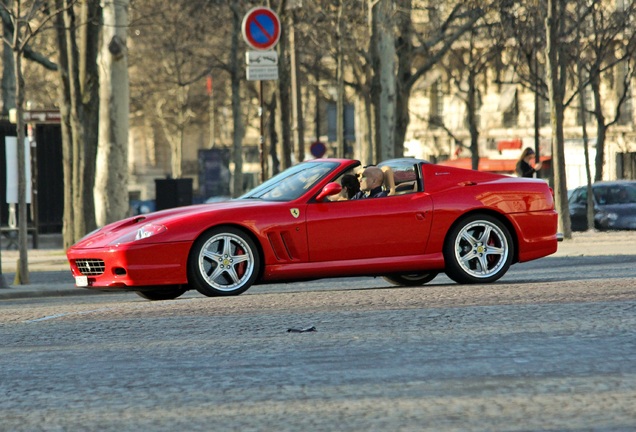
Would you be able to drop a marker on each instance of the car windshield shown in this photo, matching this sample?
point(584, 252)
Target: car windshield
point(619, 194)
point(292, 183)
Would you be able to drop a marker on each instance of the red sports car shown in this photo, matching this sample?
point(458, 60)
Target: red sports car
point(469, 224)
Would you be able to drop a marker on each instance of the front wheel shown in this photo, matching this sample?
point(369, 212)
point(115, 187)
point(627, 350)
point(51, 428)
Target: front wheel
point(223, 262)
point(410, 279)
point(479, 249)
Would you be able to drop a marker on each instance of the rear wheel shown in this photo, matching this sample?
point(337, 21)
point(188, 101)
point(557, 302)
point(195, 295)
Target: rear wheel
point(479, 249)
point(223, 262)
point(410, 279)
point(169, 292)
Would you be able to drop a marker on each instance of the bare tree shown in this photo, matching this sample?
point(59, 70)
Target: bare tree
point(608, 45)
point(384, 87)
point(8, 71)
point(236, 77)
point(77, 43)
point(523, 24)
point(427, 46)
point(111, 180)
point(557, 79)
point(465, 62)
point(170, 86)
point(27, 18)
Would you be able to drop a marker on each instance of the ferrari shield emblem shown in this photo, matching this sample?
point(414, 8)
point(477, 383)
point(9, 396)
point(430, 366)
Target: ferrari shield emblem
point(294, 212)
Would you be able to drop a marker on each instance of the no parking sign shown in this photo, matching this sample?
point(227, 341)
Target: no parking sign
point(261, 28)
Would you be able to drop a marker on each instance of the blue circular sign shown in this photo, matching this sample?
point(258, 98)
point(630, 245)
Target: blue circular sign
point(318, 149)
point(261, 28)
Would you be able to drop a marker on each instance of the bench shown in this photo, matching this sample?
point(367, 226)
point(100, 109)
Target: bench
point(10, 235)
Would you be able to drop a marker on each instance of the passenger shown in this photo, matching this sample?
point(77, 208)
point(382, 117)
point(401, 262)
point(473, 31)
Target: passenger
point(371, 181)
point(523, 168)
point(350, 187)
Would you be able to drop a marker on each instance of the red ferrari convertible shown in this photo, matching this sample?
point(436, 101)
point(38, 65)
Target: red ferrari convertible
point(469, 224)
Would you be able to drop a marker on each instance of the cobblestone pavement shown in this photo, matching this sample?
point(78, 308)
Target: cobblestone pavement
point(50, 274)
point(547, 356)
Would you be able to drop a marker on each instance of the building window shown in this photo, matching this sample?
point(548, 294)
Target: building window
point(478, 104)
point(511, 113)
point(437, 105)
point(544, 112)
point(626, 113)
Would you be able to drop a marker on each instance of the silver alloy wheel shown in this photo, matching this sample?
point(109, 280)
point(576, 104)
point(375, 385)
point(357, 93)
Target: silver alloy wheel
point(226, 262)
point(481, 249)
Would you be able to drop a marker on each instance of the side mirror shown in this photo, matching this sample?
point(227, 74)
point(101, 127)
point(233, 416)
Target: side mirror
point(330, 189)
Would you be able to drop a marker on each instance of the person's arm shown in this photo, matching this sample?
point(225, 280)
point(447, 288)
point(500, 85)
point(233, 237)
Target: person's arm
point(524, 169)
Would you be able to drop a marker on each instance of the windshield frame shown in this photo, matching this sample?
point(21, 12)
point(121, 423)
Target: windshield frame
point(294, 182)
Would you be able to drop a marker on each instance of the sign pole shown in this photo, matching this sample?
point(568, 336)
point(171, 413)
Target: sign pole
point(261, 141)
point(3, 283)
point(261, 30)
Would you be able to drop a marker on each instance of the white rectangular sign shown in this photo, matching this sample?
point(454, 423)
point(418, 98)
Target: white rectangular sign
point(262, 73)
point(11, 152)
point(261, 58)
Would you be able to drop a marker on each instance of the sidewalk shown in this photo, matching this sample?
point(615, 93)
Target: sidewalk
point(49, 272)
point(50, 275)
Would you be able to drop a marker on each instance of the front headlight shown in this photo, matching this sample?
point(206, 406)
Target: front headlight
point(607, 219)
point(144, 232)
point(611, 217)
point(149, 230)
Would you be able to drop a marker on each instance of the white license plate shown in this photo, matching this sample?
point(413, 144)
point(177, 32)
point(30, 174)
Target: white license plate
point(81, 281)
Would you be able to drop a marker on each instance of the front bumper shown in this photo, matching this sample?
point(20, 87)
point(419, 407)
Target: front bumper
point(130, 266)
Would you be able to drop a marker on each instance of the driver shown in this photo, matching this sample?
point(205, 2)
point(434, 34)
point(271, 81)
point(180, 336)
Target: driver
point(371, 181)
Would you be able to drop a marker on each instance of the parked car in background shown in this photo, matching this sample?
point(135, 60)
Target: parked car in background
point(614, 206)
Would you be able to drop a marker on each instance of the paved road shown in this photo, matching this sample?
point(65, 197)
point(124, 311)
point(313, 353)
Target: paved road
point(551, 347)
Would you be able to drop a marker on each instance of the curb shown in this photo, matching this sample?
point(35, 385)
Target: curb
point(30, 291)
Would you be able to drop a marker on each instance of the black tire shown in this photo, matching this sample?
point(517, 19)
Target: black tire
point(478, 249)
point(223, 262)
point(410, 279)
point(169, 292)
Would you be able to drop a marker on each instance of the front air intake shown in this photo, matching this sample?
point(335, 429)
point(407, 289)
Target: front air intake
point(90, 267)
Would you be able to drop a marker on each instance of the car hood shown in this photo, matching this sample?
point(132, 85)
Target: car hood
point(125, 230)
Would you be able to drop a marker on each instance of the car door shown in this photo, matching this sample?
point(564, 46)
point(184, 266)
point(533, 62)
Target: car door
point(578, 209)
point(368, 228)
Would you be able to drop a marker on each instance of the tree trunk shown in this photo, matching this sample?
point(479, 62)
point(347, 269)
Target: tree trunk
point(111, 180)
point(67, 132)
point(76, 121)
point(583, 114)
point(8, 73)
point(273, 137)
point(364, 134)
point(89, 89)
point(298, 126)
point(601, 128)
point(284, 104)
point(556, 73)
point(384, 91)
point(404, 52)
point(472, 119)
point(23, 267)
point(236, 78)
point(340, 90)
